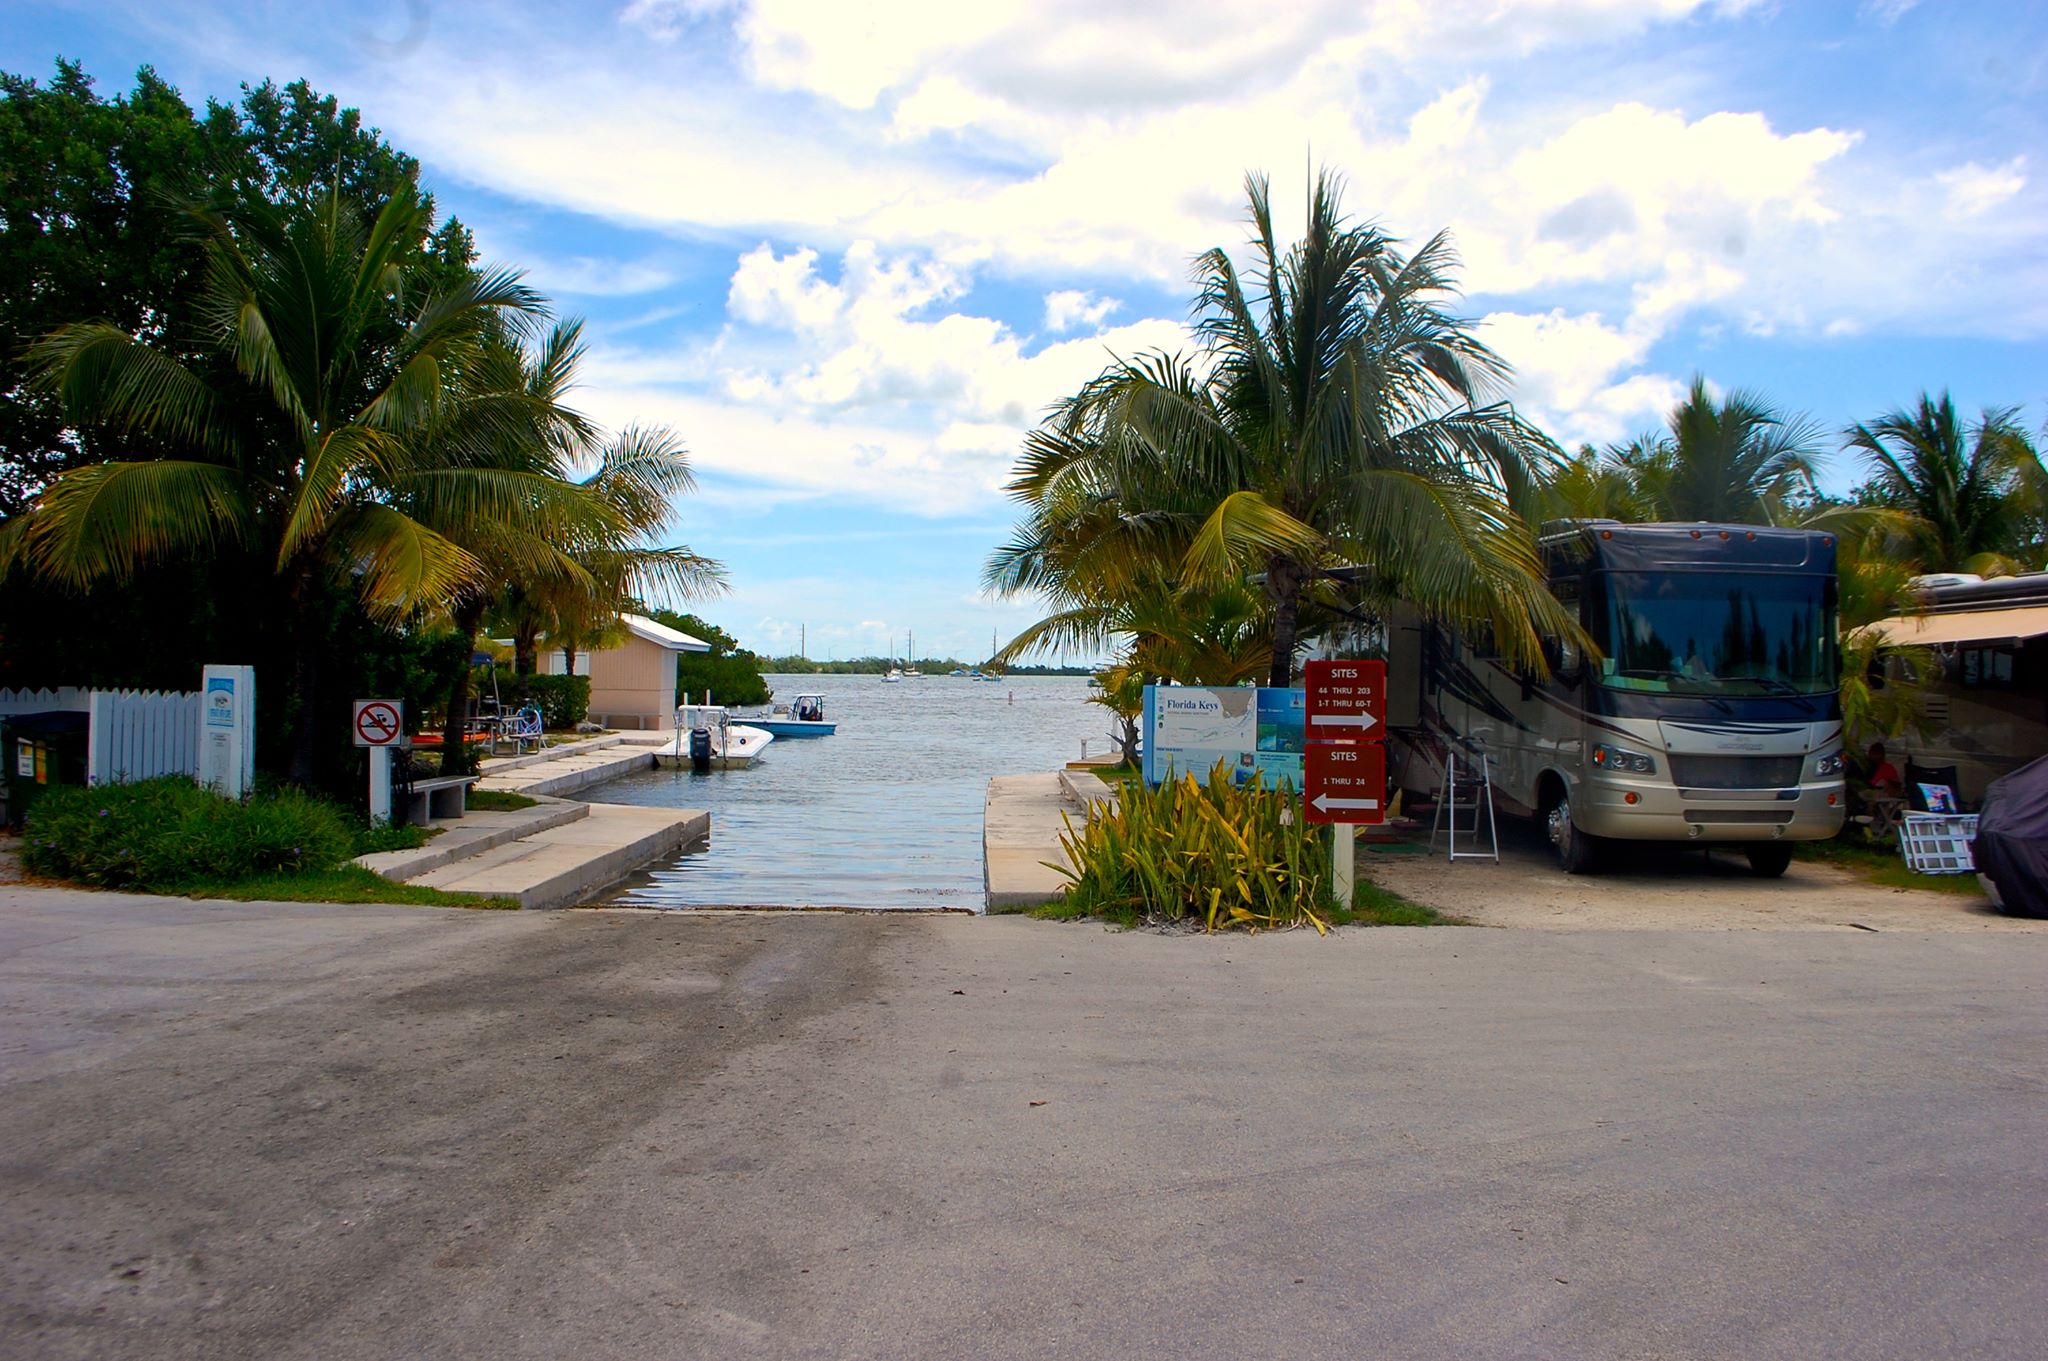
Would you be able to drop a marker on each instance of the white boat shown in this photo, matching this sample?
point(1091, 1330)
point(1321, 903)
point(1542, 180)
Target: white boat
point(803, 716)
point(733, 745)
point(892, 676)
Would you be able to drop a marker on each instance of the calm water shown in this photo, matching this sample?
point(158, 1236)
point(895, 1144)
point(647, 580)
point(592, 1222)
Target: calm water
point(884, 813)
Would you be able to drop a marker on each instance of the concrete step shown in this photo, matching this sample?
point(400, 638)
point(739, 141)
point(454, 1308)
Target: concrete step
point(567, 864)
point(497, 765)
point(560, 775)
point(471, 835)
point(1084, 788)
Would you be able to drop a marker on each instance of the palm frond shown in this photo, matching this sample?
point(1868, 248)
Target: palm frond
point(106, 521)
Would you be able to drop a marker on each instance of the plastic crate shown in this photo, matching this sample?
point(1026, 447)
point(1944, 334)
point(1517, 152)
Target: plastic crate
point(1939, 843)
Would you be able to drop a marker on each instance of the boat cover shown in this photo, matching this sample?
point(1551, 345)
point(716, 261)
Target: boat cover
point(2012, 838)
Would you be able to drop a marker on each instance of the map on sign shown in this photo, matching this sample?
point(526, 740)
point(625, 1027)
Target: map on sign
point(1189, 728)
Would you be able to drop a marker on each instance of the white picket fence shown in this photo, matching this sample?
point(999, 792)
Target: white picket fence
point(70, 699)
point(135, 734)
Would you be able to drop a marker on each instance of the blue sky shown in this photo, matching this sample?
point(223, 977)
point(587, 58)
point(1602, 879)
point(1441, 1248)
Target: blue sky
point(851, 252)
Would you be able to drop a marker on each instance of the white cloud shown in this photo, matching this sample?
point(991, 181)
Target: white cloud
point(588, 276)
point(1069, 309)
point(1974, 189)
point(1573, 374)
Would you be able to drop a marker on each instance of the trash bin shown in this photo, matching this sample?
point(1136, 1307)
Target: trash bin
point(42, 750)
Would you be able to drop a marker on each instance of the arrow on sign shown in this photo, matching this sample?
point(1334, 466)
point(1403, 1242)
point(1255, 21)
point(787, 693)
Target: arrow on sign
point(1344, 720)
point(1324, 803)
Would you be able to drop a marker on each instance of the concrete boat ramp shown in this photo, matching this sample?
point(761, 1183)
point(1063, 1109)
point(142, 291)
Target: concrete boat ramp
point(556, 853)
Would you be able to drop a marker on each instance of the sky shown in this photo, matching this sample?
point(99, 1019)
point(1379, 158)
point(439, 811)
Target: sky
point(851, 253)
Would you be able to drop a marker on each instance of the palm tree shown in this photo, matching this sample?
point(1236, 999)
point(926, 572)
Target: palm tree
point(298, 442)
point(583, 541)
point(1333, 415)
point(1736, 460)
point(1967, 493)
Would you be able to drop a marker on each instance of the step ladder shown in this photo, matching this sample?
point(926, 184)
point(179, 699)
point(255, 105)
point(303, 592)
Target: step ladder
point(1467, 793)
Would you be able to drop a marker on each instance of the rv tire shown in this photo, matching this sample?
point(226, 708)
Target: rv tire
point(1769, 859)
point(1578, 851)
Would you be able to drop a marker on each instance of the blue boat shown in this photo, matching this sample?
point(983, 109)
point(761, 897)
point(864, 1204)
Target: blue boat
point(803, 717)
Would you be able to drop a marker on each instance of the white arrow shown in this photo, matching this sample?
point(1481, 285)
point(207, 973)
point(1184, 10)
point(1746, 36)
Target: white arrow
point(1344, 720)
point(1324, 803)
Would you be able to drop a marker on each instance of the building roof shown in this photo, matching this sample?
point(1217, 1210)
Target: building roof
point(1963, 626)
point(675, 640)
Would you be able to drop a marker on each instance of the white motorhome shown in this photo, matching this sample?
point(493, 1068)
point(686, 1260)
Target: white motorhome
point(1988, 709)
point(1710, 712)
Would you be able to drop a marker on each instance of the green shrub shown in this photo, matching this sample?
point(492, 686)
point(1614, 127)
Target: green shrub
point(1224, 854)
point(562, 700)
point(155, 835)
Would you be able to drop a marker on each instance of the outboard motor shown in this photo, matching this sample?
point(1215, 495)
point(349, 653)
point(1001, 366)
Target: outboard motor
point(700, 750)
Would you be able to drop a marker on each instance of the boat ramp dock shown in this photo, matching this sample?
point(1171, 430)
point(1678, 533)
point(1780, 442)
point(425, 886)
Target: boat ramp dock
point(1021, 828)
point(556, 853)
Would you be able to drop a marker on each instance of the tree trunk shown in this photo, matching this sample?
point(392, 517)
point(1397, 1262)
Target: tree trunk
point(454, 751)
point(525, 650)
point(1127, 740)
point(1283, 585)
point(303, 767)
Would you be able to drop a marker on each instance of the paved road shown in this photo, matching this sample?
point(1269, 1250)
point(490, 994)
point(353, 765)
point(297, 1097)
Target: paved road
point(278, 1132)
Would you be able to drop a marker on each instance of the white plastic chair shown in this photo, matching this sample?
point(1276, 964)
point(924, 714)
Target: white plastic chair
point(525, 727)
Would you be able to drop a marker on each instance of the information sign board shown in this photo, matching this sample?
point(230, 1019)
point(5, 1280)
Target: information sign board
point(1189, 728)
point(1345, 782)
point(1345, 700)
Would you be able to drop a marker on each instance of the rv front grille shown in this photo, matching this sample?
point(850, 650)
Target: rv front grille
point(1762, 815)
point(1735, 772)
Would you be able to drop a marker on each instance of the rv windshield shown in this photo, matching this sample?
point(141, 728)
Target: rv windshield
point(1716, 633)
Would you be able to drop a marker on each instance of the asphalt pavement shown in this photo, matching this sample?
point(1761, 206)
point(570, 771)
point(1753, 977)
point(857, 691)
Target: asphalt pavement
point(284, 1131)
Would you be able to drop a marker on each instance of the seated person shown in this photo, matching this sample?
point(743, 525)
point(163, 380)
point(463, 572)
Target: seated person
point(1885, 780)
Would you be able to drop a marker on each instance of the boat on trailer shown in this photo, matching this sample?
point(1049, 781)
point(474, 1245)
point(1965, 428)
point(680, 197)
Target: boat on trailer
point(803, 716)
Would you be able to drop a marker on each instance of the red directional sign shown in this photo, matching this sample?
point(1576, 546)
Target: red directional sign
point(1345, 701)
point(377, 723)
point(1345, 782)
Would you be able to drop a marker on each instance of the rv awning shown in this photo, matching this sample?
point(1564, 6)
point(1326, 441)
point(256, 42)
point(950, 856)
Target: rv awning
point(1970, 626)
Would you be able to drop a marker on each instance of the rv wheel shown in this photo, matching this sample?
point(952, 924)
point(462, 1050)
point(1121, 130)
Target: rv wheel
point(1578, 852)
point(1770, 859)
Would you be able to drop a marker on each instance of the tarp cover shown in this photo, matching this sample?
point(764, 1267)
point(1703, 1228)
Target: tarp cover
point(2012, 838)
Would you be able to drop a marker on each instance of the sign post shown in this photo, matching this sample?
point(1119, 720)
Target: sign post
point(1344, 773)
point(227, 729)
point(377, 725)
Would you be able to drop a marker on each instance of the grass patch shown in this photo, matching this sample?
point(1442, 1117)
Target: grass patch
point(1882, 866)
point(497, 801)
point(371, 840)
point(347, 884)
point(1372, 905)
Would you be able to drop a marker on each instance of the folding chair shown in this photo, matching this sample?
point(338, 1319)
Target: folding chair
point(526, 727)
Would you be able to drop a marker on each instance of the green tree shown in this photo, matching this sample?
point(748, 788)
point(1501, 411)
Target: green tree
point(728, 671)
point(93, 226)
point(326, 366)
point(1969, 494)
point(1339, 412)
point(1736, 461)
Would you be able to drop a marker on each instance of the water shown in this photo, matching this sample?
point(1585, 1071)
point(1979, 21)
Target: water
point(884, 813)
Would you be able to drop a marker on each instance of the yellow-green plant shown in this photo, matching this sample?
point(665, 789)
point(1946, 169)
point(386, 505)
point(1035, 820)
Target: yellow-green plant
point(1228, 854)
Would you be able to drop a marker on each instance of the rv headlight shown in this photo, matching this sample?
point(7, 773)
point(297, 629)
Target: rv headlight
point(1831, 763)
point(1620, 758)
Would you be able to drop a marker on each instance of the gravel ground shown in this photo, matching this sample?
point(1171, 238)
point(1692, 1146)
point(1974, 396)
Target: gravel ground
point(1656, 888)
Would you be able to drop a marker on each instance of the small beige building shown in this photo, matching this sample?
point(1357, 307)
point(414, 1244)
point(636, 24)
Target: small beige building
point(632, 685)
